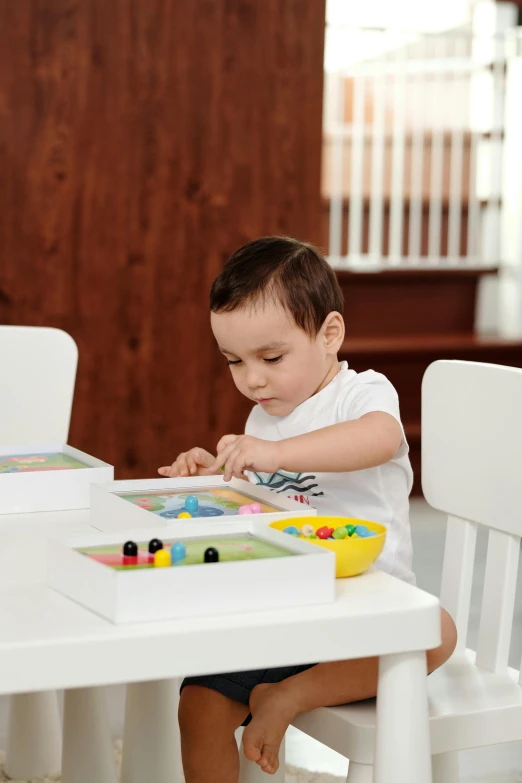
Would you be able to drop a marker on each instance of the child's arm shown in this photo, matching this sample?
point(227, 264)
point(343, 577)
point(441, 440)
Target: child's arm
point(362, 443)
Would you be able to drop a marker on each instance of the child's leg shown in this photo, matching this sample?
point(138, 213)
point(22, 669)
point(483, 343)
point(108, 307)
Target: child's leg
point(207, 722)
point(274, 707)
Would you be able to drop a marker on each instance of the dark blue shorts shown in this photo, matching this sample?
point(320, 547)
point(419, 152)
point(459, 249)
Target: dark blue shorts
point(239, 685)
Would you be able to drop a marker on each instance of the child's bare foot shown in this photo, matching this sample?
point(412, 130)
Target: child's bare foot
point(272, 711)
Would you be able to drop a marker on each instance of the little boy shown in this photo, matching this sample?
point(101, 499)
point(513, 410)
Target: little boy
point(319, 432)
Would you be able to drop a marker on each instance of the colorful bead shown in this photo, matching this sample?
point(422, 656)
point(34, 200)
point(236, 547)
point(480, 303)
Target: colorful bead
point(244, 510)
point(324, 532)
point(371, 533)
point(291, 530)
point(191, 503)
point(162, 558)
point(350, 529)
point(130, 549)
point(256, 508)
point(178, 551)
point(339, 533)
point(307, 530)
point(184, 515)
point(362, 531)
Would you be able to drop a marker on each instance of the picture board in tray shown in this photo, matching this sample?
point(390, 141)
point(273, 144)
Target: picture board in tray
point(154, 502)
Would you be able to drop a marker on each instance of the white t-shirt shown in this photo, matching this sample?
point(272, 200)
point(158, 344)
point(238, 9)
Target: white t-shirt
point(379, 494)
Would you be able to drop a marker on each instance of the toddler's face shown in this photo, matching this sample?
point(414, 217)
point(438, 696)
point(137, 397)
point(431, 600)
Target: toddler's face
point(273, 362)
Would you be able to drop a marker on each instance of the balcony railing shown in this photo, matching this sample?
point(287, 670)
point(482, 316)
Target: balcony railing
point(417, 133)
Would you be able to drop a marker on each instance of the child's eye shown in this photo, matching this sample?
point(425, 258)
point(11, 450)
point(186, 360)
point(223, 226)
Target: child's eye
point(233, 361)
point(274, 360)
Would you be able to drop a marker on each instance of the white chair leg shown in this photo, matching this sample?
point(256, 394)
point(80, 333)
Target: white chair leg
point(359, 773)
point(151, 746)
point(88, 753)
point(34, 736)
point(402, 741)
point(445, 768)
point(249, 772)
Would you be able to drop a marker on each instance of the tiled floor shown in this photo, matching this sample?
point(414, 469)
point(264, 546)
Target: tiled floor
point(501, 764)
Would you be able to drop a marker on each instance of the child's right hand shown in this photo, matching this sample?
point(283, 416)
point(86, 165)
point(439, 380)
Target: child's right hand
point(195, 462)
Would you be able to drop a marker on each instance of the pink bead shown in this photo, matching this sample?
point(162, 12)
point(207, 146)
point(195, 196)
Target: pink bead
point(256, 508)
point(244, 510)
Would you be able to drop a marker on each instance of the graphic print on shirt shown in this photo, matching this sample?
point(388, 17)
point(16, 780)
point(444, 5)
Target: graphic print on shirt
point(295, 485)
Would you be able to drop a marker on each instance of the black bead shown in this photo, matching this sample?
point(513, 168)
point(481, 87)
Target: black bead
point(130, 549)
point(154, 545)
point(211, 555)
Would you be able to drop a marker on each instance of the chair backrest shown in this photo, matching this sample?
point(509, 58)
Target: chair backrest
point(472, 470)
point(37, 375)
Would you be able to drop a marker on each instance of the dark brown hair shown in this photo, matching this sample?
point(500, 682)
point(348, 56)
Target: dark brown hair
point(293, 272)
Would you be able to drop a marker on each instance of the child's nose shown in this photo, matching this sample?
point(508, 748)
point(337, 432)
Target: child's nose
point(255, 379)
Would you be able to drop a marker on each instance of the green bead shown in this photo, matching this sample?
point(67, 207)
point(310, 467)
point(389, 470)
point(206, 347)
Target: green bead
point(350, 529)
point(340, 532)
point(312, 537)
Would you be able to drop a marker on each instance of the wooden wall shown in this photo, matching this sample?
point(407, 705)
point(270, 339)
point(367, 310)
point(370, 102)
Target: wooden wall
point(141, 142)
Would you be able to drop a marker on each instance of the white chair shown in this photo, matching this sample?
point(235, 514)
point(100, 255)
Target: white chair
point(471, 470)
point(36, 394)
point(38, 371)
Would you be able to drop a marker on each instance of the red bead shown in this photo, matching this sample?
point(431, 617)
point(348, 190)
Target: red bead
point(323, 532)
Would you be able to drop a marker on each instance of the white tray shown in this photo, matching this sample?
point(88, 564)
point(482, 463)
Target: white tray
point(307, 577)
point(50, 490)
point(109, 512)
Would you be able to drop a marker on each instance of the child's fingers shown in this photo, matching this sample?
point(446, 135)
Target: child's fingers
point(225, 441)
point(234, 464)
point(181, 465)
point(217, 464)
point(192, 465)
point(223, 456)
point(165, 471)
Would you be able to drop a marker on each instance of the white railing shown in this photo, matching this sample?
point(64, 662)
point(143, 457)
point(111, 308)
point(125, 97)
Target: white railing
point(414, 135)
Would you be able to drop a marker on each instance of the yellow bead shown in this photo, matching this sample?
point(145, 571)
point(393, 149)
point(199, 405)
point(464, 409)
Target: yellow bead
point(184, 515)
point(162, 558)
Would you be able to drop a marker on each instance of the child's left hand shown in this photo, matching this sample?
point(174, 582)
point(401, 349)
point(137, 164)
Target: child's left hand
point(237, 453)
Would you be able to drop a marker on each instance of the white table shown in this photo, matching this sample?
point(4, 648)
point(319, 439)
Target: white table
point(49, 642)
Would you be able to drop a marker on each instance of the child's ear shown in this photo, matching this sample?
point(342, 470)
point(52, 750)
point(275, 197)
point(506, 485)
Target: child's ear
point(333, 331)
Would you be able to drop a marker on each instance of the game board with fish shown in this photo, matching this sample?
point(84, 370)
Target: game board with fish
point(213, 502)
point(123, 505)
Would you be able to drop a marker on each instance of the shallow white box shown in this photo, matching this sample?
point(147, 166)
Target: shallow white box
point(50, 490)
point(306, 578)
point(109, 512)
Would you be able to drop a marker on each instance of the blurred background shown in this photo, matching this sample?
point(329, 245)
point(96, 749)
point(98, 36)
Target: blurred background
point(142, 142)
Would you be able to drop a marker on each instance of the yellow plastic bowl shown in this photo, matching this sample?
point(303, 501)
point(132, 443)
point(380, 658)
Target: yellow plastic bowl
point(352, 555)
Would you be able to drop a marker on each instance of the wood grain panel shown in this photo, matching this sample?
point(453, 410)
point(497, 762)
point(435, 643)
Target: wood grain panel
point(140, 144)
